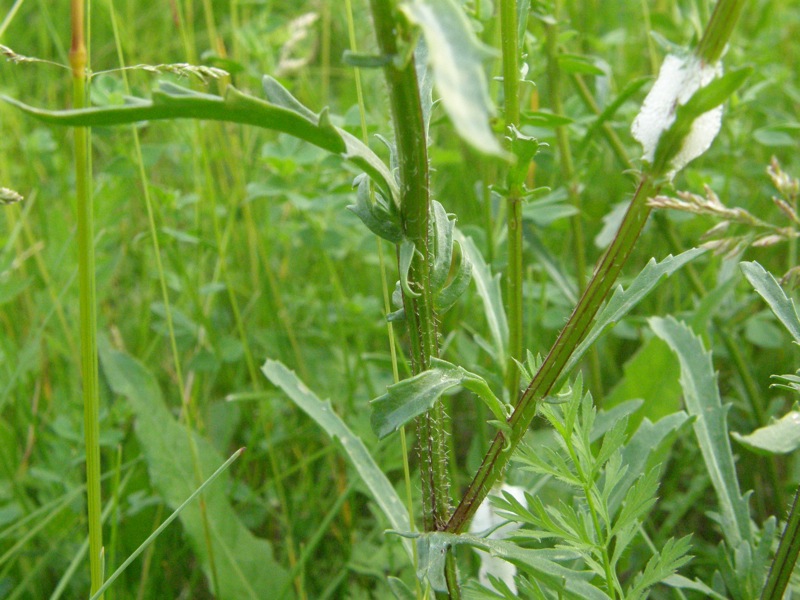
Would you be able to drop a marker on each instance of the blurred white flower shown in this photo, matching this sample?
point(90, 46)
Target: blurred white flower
point(678, 80)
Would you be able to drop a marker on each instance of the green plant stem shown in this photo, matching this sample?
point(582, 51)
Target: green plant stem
point(412, 155)
point(78, 58)
point(718, 32)
point(550, 373)
point(786, 556)
point(387, 304)
point(510, 49)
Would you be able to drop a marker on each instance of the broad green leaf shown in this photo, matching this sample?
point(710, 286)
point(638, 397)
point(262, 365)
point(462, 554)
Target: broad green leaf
point(543, 564)
point(779, 437)
point(416, 395)
point(701, 394)
point(624, 300)
point(322, 413)
point(651, 374)
point(244, 564)
point(766, 286)
point(489, 290)
point(456, 58)
point(282, 113)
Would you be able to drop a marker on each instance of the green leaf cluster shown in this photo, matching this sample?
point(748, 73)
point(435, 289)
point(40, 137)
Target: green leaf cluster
point(611, 497)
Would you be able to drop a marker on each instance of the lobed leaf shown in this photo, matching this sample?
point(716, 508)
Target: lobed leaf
point(701, 394)
point(543, 565)
point(622, 301)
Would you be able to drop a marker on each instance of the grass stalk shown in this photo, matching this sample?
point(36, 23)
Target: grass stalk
point(79, 62)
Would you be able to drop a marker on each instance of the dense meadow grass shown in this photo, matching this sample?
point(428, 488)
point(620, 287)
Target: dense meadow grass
point(219, 246)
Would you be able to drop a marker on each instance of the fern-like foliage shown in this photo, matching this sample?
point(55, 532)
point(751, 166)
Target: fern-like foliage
point(609, 504)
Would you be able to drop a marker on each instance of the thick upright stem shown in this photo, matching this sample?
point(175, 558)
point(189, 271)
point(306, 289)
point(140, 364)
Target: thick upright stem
point(510, 48)
point(88, 301)
point(412, 156)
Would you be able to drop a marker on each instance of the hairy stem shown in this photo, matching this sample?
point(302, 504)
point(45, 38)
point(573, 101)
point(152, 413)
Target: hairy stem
point(412, 156)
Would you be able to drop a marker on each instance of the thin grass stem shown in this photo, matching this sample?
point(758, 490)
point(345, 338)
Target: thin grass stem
point(79, 62)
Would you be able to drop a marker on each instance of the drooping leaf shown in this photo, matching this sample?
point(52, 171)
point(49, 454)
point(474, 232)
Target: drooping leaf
point(456, 58)
point(322, 413)
point(701, 394)
point(447, 297)
point(406, 257)
point(282, 113)
point(377, 216)
point(624, 300)
point(244, 564)
point(489, 290)
point(442, 240)
point(416, 395)
point(779, 437)
point(681, 582)
point(766, 286)
point(543, 564)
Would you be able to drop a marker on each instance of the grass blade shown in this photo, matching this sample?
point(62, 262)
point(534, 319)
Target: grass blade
point(166, 523)
point(322, 413)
